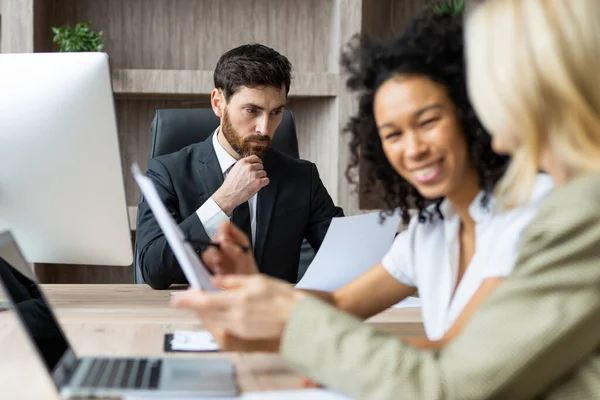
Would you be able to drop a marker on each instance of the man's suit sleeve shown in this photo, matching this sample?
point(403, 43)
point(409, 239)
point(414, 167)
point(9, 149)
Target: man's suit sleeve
point(527, 337)
point(158, 265)
point(322, 210)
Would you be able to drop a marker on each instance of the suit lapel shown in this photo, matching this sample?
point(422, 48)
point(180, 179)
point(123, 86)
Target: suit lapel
point(211, 176)
point(265, 205)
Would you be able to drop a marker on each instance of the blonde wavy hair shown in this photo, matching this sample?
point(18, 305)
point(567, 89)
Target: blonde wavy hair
point(533, 74)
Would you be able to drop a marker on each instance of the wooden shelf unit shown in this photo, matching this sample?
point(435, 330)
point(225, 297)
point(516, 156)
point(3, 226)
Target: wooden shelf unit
point(190, 83)
point(162, 53)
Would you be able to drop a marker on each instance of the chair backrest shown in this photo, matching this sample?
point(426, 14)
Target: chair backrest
point(174, 129)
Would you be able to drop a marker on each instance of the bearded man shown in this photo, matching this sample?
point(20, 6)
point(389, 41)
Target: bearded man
point(236, 176)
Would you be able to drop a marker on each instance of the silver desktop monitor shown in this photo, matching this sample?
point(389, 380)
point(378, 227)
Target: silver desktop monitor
point(61, 181)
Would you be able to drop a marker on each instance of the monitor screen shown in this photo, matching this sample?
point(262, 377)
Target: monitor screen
point(67, 203)
point(20, 288)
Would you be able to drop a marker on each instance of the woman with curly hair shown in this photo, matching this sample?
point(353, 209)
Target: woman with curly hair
point(423, 146)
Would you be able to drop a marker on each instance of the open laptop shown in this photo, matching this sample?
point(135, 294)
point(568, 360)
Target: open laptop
point(101, 376)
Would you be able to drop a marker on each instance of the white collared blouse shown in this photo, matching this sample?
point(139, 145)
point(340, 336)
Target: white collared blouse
point(426, 255)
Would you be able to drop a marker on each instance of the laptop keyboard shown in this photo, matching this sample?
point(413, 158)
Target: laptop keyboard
point(123, 373)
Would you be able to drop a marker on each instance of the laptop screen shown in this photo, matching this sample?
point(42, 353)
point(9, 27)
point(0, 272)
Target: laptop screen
point(21, 289)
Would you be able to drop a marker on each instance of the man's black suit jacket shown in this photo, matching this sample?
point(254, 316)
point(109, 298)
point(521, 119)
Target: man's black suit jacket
point(294, 205)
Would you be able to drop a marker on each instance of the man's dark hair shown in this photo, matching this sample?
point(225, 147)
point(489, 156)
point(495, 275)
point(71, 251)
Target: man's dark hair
point(431, 46)
point(252, 65)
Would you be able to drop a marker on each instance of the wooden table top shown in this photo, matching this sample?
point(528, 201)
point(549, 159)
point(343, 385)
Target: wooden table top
point(122, 320)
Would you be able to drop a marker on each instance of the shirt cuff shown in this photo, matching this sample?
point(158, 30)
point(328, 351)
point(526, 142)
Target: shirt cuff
point(211, 216)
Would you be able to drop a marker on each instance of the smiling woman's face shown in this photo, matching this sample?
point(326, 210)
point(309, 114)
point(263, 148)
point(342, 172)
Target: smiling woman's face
point(421, 135)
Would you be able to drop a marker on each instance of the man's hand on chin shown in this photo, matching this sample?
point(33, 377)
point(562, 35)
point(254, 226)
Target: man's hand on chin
point(245, 179)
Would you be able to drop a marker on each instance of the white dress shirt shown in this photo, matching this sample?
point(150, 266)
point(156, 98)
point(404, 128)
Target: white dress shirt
point(426, 255)
point(210, 213)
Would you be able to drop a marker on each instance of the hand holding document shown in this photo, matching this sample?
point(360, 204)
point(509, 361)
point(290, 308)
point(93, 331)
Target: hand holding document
point(193, 268)
point(351, 247)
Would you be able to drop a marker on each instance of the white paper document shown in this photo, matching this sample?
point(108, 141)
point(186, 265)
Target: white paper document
point(193, 268)
point(351, 247)
point(299, 394)
point(193, 341)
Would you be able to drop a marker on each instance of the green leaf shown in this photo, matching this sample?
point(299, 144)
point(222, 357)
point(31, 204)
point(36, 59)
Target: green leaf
point(447, 7)
point(459, 5)
point(77, 38)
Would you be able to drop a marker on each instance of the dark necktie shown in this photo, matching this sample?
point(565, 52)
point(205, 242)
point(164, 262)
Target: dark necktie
point(241, 218)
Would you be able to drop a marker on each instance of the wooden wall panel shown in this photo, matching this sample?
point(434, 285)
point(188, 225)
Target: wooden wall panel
point(350, 20)
point(42, 35)
point(134, 117)
point(317, 131)
point(386, 19)
point(59, 273)
point(67, 273)
point(192, 34)
point(16, 24)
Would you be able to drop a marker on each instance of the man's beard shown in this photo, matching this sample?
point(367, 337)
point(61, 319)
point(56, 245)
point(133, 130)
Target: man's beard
point(254, 145)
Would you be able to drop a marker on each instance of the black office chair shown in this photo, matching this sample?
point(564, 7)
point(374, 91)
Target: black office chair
point(174, 129)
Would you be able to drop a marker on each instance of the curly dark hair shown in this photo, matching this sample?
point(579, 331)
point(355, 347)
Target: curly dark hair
point(431, 45)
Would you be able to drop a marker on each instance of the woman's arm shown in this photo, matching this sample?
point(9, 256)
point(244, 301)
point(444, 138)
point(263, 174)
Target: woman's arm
point(367, 295)
point(537, 331)
point(488, 286)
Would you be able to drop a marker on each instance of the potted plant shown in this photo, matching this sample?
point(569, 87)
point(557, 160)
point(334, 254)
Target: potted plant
point(448, 7)
point(77, 38)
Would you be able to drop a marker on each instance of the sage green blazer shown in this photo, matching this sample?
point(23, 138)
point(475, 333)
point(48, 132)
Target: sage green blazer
point(537, 335)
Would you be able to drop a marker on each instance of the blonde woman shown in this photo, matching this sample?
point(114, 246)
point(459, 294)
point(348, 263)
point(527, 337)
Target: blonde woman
point(533, 80)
